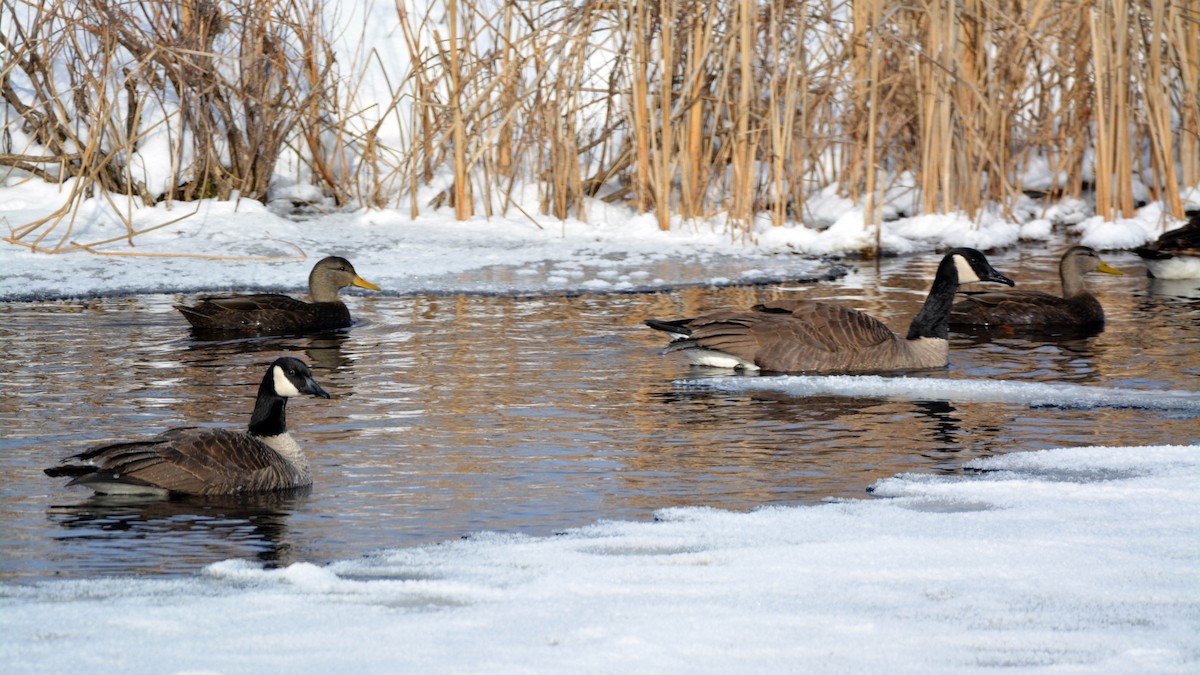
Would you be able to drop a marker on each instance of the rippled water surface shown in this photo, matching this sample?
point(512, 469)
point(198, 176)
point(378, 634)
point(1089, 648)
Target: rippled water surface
point(453, 414)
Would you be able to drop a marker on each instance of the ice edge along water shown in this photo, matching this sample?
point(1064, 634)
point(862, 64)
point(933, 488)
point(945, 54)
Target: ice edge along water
point(957, 389)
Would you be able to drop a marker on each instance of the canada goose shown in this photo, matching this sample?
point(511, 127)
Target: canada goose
point(274, 313)
point(200, 461)
point(819, 337)
point(1076, 307)
point(1176, 254)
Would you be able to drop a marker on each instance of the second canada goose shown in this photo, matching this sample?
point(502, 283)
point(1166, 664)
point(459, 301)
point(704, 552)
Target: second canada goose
point(204, 461)
point(276, 313)
point(1176, 254)
point(820, 337)
point(1076, 307)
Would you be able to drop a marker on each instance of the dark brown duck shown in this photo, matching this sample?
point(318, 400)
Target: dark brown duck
point(1077, 306)
point(276, 313)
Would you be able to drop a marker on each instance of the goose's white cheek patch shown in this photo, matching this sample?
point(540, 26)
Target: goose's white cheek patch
point(284, 386)
point(966, 274)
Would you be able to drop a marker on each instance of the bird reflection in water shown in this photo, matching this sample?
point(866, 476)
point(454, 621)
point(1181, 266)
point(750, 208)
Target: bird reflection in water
point(177, 535)
point(323, 349)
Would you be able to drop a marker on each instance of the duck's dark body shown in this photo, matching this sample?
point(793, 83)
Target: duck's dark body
point(275, 313)
point(203, 461)
point(265, 313)
point(819, 337)
point(1027, 308)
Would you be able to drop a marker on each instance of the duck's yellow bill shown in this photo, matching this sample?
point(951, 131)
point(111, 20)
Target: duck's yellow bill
point(363, 283)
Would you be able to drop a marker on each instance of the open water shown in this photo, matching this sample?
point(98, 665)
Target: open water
point(459, 413)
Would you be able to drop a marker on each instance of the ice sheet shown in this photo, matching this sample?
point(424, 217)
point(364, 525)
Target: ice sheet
point(957, 389)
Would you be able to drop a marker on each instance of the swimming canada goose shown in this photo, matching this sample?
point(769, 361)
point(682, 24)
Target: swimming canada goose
point(205, 461)
point(820, 337)
point(274, 313)
point(1176, 254)
point(1076, 307)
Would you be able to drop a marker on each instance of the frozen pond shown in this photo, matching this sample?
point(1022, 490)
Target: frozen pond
point(454, 414)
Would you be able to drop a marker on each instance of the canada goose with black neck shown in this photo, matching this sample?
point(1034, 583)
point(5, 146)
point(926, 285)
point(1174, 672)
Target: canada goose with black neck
point(203, 461)
point(276, 313)
point(807, 336)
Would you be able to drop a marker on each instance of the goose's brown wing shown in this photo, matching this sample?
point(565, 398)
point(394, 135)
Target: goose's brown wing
point(792, 335)
point(188, 460)
point(833, 327)
point(1184, 240)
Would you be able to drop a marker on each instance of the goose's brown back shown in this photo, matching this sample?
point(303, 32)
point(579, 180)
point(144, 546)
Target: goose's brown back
point(810, 336)
point(194, 461)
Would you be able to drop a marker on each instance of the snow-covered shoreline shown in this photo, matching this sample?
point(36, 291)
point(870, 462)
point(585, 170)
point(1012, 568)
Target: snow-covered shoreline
point(244, 245)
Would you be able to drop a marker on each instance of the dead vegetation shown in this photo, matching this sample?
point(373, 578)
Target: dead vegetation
point(733, 109)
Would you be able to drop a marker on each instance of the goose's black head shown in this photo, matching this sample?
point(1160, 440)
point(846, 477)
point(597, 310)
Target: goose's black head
point(292, 377)
point(959, 266)
point(285, 378)
point(970, 265)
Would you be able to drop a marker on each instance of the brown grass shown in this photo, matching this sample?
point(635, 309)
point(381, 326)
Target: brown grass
point(696, 108)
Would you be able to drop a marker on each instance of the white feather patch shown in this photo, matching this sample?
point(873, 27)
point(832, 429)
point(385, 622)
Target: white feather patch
point(966, 273)
point(284, 386)
point(118, 488)
point(715, 359)
point(1178, 267)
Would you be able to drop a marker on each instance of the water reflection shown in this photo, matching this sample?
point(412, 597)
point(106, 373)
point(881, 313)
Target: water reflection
point(1178, 288)
point(946, 427)
point(1069, 337)
point(322, 350)
point(148, 535)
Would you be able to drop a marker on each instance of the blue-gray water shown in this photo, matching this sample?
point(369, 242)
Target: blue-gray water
point(454, 414)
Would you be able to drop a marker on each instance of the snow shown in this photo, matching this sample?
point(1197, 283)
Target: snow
point(1067, 560)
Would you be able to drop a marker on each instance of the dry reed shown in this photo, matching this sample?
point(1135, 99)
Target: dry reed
point(693, 108)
